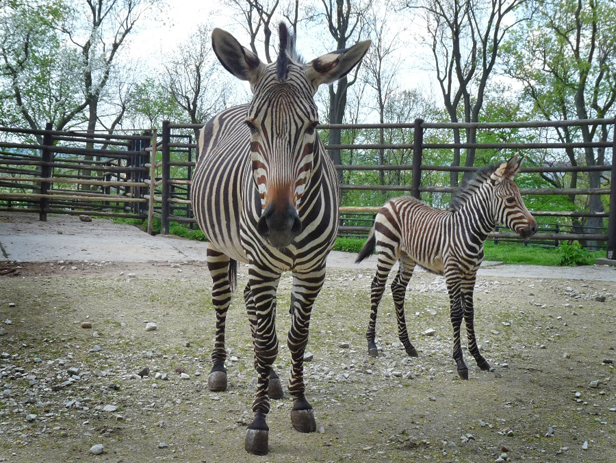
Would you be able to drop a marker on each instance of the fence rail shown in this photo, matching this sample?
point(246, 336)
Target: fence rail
point(148, 176)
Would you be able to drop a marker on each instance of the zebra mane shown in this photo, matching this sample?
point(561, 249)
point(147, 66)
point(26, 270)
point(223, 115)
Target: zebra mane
point(286, 52)
point(468, 188)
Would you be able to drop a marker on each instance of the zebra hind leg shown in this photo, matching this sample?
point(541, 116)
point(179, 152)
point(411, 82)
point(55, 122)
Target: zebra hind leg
point(222, 270)
point(398, 289)
point(456, 314)
point(383, 267)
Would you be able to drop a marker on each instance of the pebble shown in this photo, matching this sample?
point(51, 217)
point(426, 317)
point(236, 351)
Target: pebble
point(163, 445)
point(430, 332)
point(344, 345)
point(550, 432)
point(594, 384)
point(184, 376)
point(8, 322)
point(308, 357)
point(600, 298)
point(110, 408)
point(585, 445)
point(86, 325)
point(3, 332)
point(150, 326)
point(96, 348)
point(97, 449)
point(144, 372)
point(31, 417)
point(11, 304)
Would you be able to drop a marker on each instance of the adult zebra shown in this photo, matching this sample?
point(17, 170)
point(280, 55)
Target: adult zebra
point(266, 193)
point(448, 242)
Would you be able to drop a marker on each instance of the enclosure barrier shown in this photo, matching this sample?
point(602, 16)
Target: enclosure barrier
point(131, 176)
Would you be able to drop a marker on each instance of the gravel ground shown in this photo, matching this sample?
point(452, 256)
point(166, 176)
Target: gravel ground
point(81, 371)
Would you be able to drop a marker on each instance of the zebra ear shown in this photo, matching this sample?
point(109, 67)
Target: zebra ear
point(332, 66)
point(236, 59)
point(507, 169)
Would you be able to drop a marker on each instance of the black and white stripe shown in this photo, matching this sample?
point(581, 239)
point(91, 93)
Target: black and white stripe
point(266, 193)
point(446, 242)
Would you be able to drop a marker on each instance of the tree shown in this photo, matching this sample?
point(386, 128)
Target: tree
point(566, 60)
point(465, 37)
point(193, 77)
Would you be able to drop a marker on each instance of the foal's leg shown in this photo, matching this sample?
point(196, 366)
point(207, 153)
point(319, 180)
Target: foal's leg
point(218, 265)
point(398, 289)
point(466, 289)
point(306, 288)
point(453, 280)
point(262, 315)
point(384, 264)
point(274, 389)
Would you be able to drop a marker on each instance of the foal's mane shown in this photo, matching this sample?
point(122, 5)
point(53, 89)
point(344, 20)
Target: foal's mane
point(470, 187)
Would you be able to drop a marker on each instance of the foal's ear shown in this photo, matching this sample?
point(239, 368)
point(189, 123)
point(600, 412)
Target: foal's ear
point(508, 169)
point(236, 59)
point(332, 66)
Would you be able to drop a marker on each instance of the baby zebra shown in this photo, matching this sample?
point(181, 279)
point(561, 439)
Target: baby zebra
point(446, 242)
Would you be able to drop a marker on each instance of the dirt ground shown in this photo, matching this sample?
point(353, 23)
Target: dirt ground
point(74, 349)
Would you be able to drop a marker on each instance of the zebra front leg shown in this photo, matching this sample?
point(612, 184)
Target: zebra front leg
point(306, 288)
point(456, 315)
point(468, 286)
point(274, 389)
point(383, 267)
point(262, 314)
point(398, 289)
point(223, 275)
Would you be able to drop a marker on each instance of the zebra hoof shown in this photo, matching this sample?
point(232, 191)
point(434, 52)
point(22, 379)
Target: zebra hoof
point(463, 372)
point(217, 381)
point(256, 441)
point(274, 390)
point(373, 352)
point(303, 420)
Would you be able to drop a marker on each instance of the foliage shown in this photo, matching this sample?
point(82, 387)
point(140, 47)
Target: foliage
point(574, 254)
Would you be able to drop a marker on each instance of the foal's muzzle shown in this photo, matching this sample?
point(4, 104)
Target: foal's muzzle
point(530, 230)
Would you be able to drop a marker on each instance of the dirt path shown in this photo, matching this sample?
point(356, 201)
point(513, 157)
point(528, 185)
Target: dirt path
point(74, 347)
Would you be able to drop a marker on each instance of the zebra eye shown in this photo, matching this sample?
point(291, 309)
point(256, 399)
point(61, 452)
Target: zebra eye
point(510, 200)
point(251, 126)
point(312, 127)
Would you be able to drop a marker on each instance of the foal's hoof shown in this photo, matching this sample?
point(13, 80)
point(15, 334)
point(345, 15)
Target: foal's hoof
point(411, 352)
point(303, 420)
point(256, 441)
point(274, 390)
point(463, 372)
point(217, 381)
point(373, 352)
point(483, 365)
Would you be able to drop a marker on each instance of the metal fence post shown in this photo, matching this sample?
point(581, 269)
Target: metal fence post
point(166, 174)
point(417, 155)
point(45, 171)
point(611, 228)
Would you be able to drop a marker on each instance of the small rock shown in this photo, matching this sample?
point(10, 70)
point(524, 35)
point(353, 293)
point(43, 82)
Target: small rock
point(150, 326)
point(73, 371)
point(8, 322)
point(585, 445)
point(308, 357)
point(600, 298)
point(96, 348)
point(85, 218)
point(163, 445)
point(344, 345)
point(11, 304)
point(110, 408)
point(429, 332)
point(31, 417)
point(608, 361)
point(550, 432)
point(86, 325)
point(184, 376)
point(97, 449)
point(594, 384)
point(144, 372)
point(566, 355)
point(3, 332)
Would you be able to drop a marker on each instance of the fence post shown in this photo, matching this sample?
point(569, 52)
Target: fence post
point(152, 180)
point(611, 228)
point(45, 171)
point(417, 155)
point(166, 157)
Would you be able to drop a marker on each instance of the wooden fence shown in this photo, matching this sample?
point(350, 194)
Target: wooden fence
point(126, 176)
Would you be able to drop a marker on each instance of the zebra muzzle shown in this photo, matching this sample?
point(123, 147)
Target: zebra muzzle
point(279, 227)
point(530, 230)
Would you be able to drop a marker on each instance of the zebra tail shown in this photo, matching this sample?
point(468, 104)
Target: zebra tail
point(232, 274)
point(368, 248)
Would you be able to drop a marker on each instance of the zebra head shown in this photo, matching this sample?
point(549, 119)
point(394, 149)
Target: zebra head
point(282, 118)
point(509, 208)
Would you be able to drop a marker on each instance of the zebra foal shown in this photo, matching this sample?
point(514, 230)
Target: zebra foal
point(266, 193)
point(446, 242)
